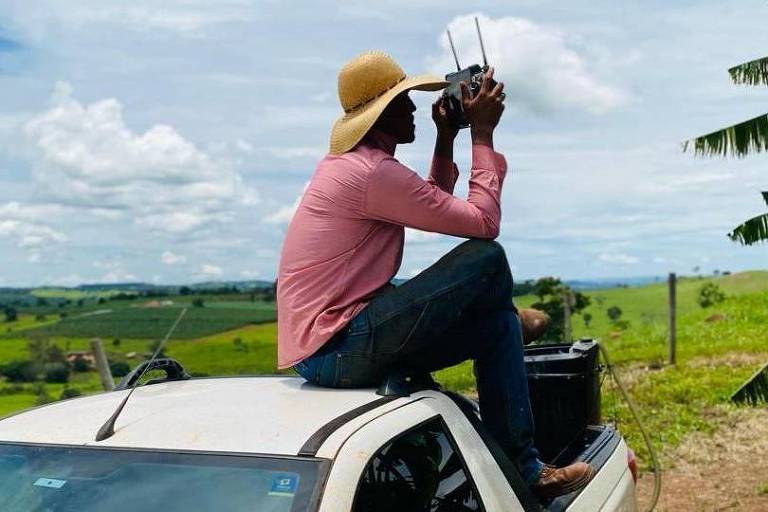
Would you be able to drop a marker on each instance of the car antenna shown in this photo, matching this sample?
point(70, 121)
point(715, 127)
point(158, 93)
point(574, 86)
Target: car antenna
point(107, 430)
point(482, 47)
point(453, 49)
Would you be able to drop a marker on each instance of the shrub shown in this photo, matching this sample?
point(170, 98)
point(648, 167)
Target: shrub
point(19, 371)
point(56, 373)
point(43, 397)
point(119, 369)
point(70, 393)
point(709, 295)
point(614, 313)
point(11, 315)
point(116, 342)
point(198, 302)
point(239, 345)
point(80, 365)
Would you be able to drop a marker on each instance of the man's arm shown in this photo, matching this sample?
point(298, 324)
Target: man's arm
point(443, 171)
point(396, 194)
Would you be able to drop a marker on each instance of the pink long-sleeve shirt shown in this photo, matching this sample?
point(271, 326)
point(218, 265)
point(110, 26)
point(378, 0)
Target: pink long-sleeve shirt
point(345, 240)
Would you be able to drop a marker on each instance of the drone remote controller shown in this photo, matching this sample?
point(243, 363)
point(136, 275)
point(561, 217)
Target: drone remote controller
point(473, 76)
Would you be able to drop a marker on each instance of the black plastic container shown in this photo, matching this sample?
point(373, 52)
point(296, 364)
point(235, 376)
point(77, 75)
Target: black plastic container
point(564, 386)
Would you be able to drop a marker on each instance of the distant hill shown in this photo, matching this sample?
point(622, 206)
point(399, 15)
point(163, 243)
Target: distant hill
point(613, 282)
point(254, 284)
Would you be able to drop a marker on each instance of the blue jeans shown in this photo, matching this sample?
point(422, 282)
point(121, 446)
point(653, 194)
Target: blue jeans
point(460, 308)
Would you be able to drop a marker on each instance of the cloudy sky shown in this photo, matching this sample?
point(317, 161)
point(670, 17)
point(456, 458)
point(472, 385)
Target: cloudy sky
point(168, 141)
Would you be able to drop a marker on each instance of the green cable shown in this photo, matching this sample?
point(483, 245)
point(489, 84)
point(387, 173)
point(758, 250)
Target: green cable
point(648, 444)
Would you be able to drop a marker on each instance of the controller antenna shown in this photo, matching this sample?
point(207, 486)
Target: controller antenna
point(480, 37)
point(453, 49)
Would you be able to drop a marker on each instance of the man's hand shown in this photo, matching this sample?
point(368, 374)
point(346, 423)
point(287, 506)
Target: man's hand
point(445, 129)
point(484, 110)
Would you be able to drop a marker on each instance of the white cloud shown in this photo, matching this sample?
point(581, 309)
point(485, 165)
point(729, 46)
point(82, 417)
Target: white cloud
point(169, 258)
point(250, 274)
point(67, 280)
point(618, 258)
point(86, 157)
point(185, 17)
point(210, 271)
point(415, 236)
point(540, 71)
point(297, 152)
point(23, 224)
point(117, 276)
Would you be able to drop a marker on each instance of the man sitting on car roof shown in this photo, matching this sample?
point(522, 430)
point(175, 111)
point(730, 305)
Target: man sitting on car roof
point(340, 321)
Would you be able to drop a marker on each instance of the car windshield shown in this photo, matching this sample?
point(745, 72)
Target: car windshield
point(35, 478)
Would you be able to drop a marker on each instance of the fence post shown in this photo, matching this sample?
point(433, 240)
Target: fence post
point(672, 318)
point(100, 357)
point(567, 332)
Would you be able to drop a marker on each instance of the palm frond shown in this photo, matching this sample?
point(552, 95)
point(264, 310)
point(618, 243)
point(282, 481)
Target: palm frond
point(738, 140)
point(754, 72)
point(752, 231)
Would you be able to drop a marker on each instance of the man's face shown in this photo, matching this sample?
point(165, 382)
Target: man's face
point(397, 119)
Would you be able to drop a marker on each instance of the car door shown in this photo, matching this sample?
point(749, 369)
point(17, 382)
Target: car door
point(412, 459)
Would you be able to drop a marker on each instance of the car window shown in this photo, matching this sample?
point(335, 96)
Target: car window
point(420, 470)
point(37, 478)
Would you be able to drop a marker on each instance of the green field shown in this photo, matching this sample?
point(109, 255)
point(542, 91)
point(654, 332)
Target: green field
point(145, 322)
point(718, 348)
point(65, 293)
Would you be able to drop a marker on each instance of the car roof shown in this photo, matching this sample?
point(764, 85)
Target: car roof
point(275, 415)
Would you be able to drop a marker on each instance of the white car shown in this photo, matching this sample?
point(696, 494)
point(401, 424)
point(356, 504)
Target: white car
point(278, 444)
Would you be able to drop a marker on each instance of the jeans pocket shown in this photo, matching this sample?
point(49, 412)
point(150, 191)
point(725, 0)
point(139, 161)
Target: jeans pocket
point(360, 324)
point(356, 371)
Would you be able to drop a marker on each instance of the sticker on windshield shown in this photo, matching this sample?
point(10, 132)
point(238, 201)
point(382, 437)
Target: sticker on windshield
point(51, 483)
point(284, 485)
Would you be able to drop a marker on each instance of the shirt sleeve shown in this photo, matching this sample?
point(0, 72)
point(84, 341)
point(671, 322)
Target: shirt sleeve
point(398, 195)
point(443, 173)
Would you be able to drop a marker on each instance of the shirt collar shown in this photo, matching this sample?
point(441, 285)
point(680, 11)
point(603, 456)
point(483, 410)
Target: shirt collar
point(381, 140)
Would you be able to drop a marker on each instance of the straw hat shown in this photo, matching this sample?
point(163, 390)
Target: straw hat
point(366, 86)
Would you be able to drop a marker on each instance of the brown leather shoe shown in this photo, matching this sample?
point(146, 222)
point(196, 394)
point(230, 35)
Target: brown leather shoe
point(534, 324)
point(555, 482)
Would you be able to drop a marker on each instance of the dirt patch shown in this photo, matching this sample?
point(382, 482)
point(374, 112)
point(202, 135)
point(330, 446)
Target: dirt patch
point(724, 471)
point(731, 360)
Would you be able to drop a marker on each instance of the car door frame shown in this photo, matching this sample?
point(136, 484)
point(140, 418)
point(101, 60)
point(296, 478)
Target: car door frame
point(358, 449)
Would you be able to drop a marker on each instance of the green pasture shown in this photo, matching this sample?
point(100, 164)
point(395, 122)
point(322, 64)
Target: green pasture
point(66, 293)
point(254, 306)
point(221, 354)
point(25, 322)
point(154, 322)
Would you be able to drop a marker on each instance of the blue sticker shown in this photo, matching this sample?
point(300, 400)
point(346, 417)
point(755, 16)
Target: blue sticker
point(284, 485)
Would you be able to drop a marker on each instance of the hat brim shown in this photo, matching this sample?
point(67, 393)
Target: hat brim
point(350, 128)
